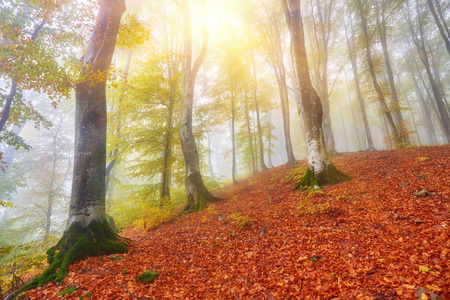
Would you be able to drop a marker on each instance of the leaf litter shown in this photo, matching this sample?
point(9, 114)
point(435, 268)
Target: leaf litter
point(362, 240)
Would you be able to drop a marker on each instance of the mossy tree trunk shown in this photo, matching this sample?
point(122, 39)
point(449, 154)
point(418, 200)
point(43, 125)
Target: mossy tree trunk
point(87, 232)
point(196, 191)
point(320, 170)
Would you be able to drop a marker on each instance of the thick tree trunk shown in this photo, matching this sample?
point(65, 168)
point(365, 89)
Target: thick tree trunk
point(321, 170)
point(87, 232)
point(197, 194)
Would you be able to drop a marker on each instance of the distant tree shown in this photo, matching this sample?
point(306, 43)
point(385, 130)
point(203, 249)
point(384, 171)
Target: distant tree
point(439, 19)
point(273, 34)
point(418, 37)
point(320, 169)
point(349, 27)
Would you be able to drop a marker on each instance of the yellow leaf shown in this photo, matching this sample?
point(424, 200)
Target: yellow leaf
point(424, 297)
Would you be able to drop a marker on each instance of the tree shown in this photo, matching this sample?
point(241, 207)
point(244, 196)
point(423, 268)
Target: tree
point(197, 193)
point(323, 33)
point(87, 232)
point(320, 169)
point(352, 50)
point(362, 13)
point(37, 52)
point(438, 17)
point(272, 35)
point(418, 39)
point(381, 22)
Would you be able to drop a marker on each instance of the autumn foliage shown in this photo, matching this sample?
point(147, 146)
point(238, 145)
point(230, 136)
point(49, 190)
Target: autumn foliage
point(368, 238)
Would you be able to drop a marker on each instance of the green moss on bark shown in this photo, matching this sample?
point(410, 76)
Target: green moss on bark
point(331, 175)
point(77, 244)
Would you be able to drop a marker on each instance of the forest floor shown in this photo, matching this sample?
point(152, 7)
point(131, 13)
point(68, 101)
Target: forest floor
point(368, 238)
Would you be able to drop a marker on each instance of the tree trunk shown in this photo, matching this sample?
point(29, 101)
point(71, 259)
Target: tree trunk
point(233, 139)
point(420, 45)
point(269, 141)
point(249, 134)
point(87, 232)
point(352, 56)
point(445, 34)
point(324, 26)
point(280, 73)
point(196, 191)
point(167, 154)
point(321, 171)
point(384, 107)
point(395, 107)
point(115, 152)
point(258, 119)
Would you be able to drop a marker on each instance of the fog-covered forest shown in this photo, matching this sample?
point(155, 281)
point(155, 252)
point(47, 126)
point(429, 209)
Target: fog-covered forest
point(200, 94)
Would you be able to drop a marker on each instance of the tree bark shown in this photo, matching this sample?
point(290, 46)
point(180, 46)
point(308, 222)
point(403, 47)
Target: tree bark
point(420, 45)
point(444, 33)
point(258, 119)
point(321, 171)
point(325, 30)
point(395, 107)
point(384, 107)
point(249, 134)
point(87, 232)
point(274, 47)
point(352, 56)
point(196, 191)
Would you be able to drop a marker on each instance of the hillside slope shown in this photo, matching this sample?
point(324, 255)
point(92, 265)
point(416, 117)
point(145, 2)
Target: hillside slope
point(369, 238)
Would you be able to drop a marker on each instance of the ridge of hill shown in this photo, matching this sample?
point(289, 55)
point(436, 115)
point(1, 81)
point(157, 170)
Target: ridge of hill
point(378, 236)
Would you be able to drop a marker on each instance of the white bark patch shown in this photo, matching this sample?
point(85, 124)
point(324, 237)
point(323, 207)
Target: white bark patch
point(87, 215)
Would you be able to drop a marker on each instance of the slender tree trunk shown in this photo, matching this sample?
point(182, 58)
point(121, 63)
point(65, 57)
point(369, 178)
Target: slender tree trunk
point(381, 98)
point(324, 26)
point(249, 134)
point(167, 154)
point(258, 119)
point(280, 73)
point(269, 141)
point(210, 164)
point(321, 170)
point(233, 140)
point(426, 113)
point(196, 191)
point(444, 33)
point(13, 90)
point(352, 57)
point(110, 165)
point(395, 104)
point(51, 192)
point(420, 45)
